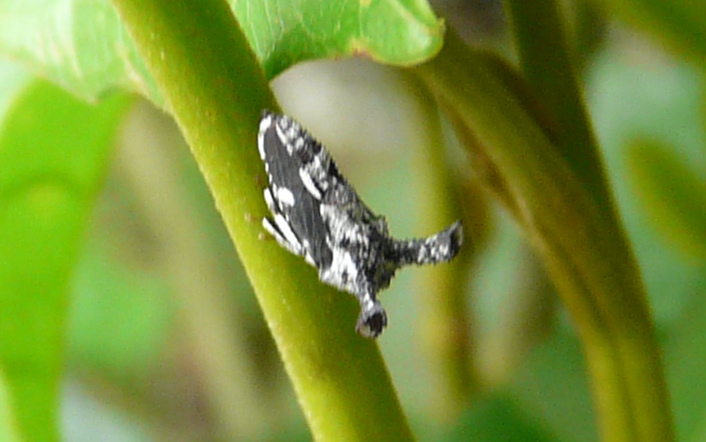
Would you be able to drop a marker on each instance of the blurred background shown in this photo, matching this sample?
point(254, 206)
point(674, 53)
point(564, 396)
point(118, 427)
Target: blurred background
point(167, 341)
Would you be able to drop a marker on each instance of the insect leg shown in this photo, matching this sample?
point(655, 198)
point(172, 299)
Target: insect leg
point(441, 247)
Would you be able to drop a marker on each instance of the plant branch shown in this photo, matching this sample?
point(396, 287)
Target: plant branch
point(585, 253)
point(547, 65)
point(215, 89)
point(446, 324)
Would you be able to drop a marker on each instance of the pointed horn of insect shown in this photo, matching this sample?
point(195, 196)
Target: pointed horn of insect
point(442, 247)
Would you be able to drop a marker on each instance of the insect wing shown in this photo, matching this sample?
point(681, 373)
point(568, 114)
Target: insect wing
point(300, 209)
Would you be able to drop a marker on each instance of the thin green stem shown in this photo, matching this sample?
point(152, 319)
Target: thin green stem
point(215, 89)
point(548, 67)
point(446, 327)
point(586, 255)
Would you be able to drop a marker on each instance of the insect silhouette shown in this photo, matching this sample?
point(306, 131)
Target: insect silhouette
point(318, 215)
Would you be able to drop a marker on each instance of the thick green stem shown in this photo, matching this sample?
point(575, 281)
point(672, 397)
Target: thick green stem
point(215, 89)
point(585, 253)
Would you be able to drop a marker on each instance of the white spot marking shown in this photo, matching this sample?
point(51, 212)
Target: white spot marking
point(308, 258)
point(287, 231)
point(285, 196)
point(265, 124)
point(307, 253)
point(309, 184)
point(341, 264)
point(267, 224)
point(284, 139)
point(270, 201)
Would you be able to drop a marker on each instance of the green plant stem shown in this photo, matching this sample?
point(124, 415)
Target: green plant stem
point(678, 25)
point(547, 67)
point(546, 64)
point(586, 255)
point(214, 88)
point(445, 329)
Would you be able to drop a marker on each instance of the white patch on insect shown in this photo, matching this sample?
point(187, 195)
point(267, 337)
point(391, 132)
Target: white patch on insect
point(284, 138)
point(267, 224)
point(287, 231)
point(342, 227)
point(317, 171)
point(309, 184)
point(331, 227)
point(265, 124)
point(269, 200)
point(272, 229)
point(368, 303)
point(299, 144)
point(285, 196)
point(307, 254)
point(343, 270)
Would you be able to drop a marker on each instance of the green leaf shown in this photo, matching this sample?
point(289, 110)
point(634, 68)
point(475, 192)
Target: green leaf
point(78, 44)
point(400, 32)
point(53, 152)
point(672, 194)
point(83, 46)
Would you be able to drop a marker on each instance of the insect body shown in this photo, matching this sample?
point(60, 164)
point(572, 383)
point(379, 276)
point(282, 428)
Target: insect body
point(318, 215)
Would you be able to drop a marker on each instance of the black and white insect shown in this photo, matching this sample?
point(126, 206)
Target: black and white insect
point(318, 215)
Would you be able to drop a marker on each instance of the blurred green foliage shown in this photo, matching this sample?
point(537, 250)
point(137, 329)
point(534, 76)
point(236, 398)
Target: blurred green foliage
point(52, 168)
point(108, 290)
